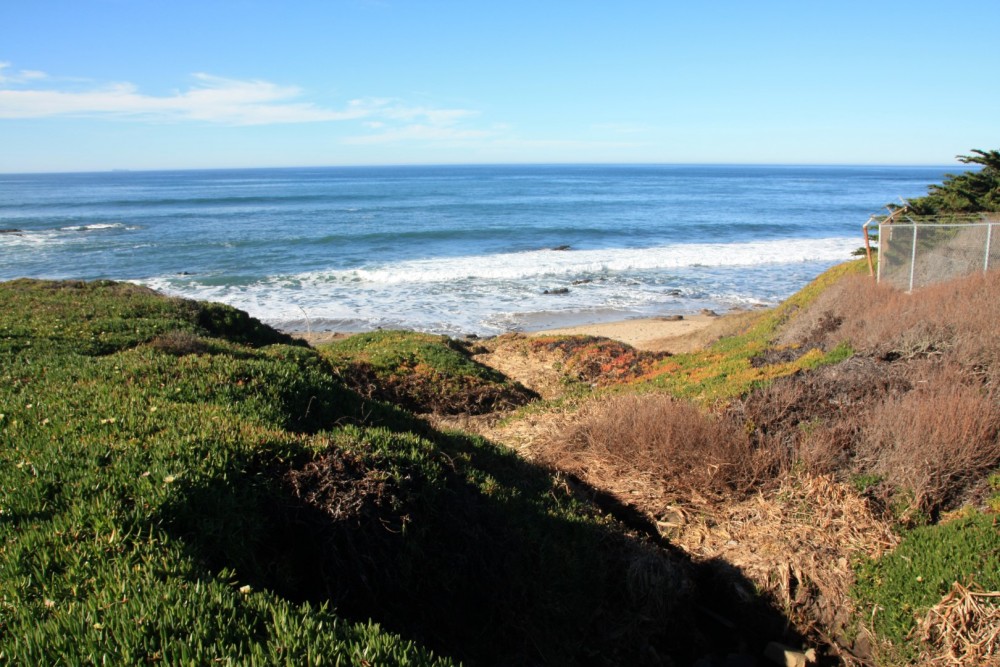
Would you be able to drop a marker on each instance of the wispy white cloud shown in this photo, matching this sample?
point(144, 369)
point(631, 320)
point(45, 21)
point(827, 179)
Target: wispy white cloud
point(11, 76)
point(211, 99)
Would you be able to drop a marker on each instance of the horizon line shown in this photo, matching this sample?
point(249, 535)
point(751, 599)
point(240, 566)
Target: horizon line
point(388, 165)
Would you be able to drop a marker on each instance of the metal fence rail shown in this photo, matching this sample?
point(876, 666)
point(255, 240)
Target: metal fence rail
point(917, 253)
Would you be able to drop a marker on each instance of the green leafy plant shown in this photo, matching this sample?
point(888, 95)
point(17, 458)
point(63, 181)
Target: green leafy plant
point(865, 481)
point(893, 592)
point(177, 488)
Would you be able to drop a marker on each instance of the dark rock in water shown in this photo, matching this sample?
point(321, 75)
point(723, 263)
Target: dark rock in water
point(557, 290)
point(708, 312)
point(671, 318)
point(582, 282)
point(674, 292)
point(472, 336)
point(185, 273)
point(562, 247)
point(12, 230)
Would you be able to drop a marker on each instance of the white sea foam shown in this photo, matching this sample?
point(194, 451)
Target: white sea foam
point(31, 238)
point(557, 263)
point(95, 227)
point(58, 235)
point(494, 293)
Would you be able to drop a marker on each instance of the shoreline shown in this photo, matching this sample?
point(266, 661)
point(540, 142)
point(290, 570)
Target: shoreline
point(671, 333)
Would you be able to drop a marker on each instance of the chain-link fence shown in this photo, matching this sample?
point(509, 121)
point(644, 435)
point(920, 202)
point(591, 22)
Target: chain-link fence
point(913, 253)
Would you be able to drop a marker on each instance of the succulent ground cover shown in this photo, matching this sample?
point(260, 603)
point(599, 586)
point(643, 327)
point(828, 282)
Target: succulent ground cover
point(105, 438)
point(180, 484)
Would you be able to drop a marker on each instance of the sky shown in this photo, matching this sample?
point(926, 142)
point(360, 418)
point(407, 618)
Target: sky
point(92, 85)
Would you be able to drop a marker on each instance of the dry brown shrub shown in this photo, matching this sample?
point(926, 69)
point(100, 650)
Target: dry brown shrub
point(875, 319)
point(672, 440)
point(816, 418)
point(976, 344)
point(930, 427)
point(791, 419)
point(957, 318)
point(825, 449)
point(888, 322)
point(934, 440)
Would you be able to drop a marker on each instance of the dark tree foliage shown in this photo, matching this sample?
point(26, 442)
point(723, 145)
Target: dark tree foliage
point(976, 191)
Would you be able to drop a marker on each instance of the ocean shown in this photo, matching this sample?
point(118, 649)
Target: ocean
point(452, 249)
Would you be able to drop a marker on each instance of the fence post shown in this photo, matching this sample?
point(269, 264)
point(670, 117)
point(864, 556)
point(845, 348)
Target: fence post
point(986, 259)
point(913, 256)
point(882, 243)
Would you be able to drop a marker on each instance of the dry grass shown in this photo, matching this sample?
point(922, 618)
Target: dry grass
point(963, 629)
point(957, 318)
point(540, 369)
point(683, 448)
point(797, 543)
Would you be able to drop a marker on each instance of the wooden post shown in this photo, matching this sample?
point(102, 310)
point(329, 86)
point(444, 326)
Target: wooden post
point(868, 247)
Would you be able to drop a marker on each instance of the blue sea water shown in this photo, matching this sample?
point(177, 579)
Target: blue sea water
point(451, 249)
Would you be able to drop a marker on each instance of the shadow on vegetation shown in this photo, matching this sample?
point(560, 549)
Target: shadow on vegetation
point(470, 550)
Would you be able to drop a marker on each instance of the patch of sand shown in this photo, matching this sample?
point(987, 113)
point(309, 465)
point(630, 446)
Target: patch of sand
point(662, 334)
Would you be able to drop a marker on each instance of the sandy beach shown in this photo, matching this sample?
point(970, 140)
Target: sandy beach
point(676, 334)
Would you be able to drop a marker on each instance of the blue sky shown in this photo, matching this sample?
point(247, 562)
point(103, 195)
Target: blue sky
point(163, 84)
